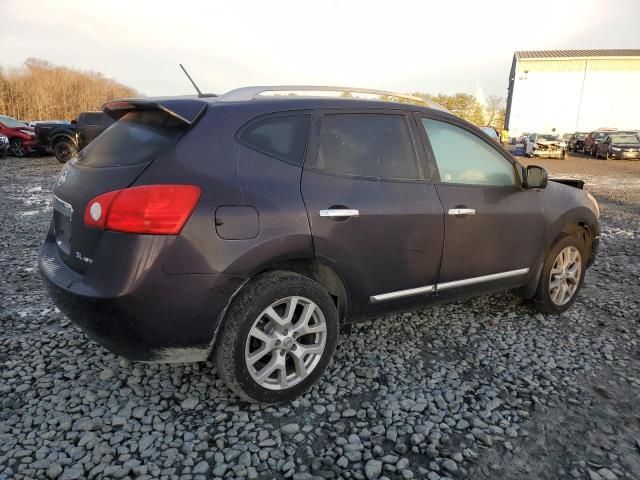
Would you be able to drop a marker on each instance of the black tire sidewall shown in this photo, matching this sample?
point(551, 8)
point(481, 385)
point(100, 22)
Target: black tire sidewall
point(58, 144)
point(240, 319)
point(543, 298)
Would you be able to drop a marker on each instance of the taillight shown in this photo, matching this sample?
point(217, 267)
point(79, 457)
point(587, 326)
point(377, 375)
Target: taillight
point(153, 209)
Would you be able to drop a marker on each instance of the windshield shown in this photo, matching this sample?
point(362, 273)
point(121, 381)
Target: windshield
point(11, 122)
point(624, 139)
point(581, 136)
point(600, 135)
point(548, 137)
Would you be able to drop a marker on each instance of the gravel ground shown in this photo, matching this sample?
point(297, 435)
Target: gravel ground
point(486, 388)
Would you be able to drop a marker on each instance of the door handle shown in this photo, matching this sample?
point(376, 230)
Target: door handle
point(339, 212)
point(459, 212)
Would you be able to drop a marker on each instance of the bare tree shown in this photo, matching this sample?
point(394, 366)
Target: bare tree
point(495, 111)
point(40, 90)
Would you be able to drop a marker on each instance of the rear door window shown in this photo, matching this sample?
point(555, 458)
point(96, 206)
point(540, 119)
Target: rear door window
point(282, 136)
point(367, 145)
point(137, 137)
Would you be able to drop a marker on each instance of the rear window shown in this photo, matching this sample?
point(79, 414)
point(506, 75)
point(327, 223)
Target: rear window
point(283, 136)
point(91, 118)
point(137, 137)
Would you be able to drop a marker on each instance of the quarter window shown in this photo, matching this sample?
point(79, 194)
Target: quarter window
point(462, 157)
point(283, 136)
point(368, 145)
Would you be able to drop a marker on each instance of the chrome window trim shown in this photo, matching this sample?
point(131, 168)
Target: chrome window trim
point(402, 293)
point(485, 278)
point(448, 285)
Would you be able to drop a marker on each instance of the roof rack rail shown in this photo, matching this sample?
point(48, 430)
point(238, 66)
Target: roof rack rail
point(251, 93)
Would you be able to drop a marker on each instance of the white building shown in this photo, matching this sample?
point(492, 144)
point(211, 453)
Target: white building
point(573, 90)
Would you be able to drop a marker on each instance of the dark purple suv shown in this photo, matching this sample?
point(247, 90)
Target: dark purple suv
point(255, 226)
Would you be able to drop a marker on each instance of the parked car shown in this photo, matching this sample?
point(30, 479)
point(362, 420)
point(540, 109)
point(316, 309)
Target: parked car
point(545, 145)
point(90, 125)
point(620, 146)
point(491, 132)
point(22, 139)
point(591, 141)
point(253, 227)
point(576, 141)
point(57, 138)
point(4, 145)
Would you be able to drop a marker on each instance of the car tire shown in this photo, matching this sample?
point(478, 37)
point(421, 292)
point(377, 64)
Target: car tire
point(64, 150)
point(16, 146)
point(562, 275)
point(260, 350)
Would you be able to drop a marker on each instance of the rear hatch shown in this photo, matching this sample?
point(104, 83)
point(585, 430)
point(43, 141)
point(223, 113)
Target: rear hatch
point(145, 130)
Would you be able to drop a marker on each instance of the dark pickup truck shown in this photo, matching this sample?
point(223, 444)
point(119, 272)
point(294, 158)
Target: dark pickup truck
point(66, 139)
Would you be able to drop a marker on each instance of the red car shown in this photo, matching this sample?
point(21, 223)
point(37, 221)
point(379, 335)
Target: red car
point(22, 139)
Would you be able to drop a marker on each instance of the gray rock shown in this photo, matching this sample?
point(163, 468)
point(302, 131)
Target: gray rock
point(75, 472)
point(290, 429)
point(373, 469)
point(449, 465)
point(189, 403)
point(106, 374)
point(607, 474)
point(462, 424)
point(54, 471)
point(201, 468)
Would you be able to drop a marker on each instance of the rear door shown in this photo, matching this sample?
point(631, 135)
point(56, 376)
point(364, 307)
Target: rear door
point(494, 228)
point(374, 213)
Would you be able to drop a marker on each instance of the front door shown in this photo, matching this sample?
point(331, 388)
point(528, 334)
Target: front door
point(375, 215)
point(493, 228)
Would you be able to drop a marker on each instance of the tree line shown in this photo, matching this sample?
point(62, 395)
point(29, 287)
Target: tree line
point(466, 106)
point(40, 90)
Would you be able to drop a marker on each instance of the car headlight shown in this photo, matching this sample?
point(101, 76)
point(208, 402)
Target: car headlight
point(595, 203)
point(616, 149)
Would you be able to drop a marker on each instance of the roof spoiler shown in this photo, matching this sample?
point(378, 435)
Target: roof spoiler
point(185, 110)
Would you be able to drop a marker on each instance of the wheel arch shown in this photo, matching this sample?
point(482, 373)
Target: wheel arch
point(581, 228)
point(62, 136)
point(320, 272)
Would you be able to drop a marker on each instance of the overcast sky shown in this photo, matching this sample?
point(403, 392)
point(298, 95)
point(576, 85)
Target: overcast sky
point(442, 46)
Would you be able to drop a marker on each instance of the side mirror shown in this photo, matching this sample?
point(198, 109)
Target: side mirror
point(535, 177)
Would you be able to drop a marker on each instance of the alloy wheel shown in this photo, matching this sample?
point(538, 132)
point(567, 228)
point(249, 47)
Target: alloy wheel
point(17, 148)
point(285, 343)
point(565, 275)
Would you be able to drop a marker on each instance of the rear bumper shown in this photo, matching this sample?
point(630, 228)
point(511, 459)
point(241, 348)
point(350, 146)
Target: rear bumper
point(142, 315)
